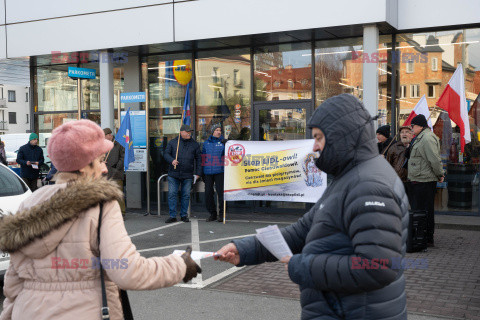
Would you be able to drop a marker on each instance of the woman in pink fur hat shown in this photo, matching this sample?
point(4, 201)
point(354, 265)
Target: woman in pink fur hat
point(54, 267)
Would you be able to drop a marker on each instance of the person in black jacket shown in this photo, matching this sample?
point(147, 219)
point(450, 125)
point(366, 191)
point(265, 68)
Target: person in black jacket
point(181, 171)
point(30, 158)
point(347, 248)
point(384, 140)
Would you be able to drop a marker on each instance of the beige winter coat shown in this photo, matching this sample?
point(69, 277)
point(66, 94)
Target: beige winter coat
point(52, 240)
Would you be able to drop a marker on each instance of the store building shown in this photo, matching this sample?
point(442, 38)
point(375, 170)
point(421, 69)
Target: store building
point(258, 67)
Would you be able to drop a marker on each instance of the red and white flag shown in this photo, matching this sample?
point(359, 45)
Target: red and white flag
point(420, 108)
point(454, 102)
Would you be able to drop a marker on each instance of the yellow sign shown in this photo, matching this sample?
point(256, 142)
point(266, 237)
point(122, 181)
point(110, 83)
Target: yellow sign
point(182, 71)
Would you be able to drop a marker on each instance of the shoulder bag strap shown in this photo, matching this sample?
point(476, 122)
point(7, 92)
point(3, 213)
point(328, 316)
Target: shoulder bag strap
point(105, 312)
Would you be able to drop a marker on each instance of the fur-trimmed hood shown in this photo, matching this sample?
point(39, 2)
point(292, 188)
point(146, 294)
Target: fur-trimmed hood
point(53, 208)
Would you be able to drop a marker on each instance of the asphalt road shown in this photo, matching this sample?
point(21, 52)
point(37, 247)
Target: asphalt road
point(195, 300)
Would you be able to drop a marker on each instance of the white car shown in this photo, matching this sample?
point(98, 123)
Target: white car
point(12, 192)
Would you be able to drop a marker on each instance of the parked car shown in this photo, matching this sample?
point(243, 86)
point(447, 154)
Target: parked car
point(12, 192)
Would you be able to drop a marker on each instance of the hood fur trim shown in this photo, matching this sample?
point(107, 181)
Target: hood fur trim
point(17, 231)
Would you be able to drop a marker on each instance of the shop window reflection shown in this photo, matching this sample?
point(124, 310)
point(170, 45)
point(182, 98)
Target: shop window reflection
point(222, 96)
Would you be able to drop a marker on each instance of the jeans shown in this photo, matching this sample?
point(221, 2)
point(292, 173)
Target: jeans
point(185, 188)
point(210, 180)
point(31, 183)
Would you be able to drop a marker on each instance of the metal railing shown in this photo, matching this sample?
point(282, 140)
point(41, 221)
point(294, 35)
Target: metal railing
point(3, 125)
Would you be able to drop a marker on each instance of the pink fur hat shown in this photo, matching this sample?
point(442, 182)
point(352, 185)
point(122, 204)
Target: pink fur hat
point(76, 144)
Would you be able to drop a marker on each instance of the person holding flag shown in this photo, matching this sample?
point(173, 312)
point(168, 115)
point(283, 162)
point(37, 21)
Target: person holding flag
point(184, 156)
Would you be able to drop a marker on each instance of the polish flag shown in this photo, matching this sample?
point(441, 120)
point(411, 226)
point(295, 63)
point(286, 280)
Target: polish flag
point(420, 108)
point(453, 101)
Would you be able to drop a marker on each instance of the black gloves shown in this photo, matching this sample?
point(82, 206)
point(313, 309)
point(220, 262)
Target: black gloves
point(193, 269)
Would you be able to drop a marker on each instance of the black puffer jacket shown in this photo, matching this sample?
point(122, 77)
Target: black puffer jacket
point(189, 158)
point(361, 218)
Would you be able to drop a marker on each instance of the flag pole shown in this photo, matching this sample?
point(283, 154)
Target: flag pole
point(224, 211)
point(178, 142)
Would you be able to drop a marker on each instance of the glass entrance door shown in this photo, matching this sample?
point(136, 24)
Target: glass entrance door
point(286, 120)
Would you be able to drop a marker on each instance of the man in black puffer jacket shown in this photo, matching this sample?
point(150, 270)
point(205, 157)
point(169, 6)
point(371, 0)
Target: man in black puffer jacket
point(184, 164)
point(344, 247)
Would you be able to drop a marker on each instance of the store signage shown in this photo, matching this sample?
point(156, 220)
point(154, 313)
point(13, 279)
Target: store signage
point(82, 73)
point(182, 71)
point(129, 97)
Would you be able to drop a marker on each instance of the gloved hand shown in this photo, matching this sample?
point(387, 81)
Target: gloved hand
point(193, 269)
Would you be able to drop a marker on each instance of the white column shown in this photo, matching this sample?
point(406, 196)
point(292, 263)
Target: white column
point(370, 70)
point(106, 91)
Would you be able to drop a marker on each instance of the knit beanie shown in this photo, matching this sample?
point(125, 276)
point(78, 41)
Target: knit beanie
point(215, 127)
point(75, 144)
point(420, 120)
point(33, 136)
point(384, 131)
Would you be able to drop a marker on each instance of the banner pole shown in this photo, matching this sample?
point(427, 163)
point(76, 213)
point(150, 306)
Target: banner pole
point(148, 149)
point(224, 211)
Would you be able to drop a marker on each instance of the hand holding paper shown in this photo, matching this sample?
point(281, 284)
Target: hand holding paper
point(272, 239)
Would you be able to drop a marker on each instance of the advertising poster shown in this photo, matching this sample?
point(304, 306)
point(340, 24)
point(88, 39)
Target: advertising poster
point(273, 170)
point(139, 127)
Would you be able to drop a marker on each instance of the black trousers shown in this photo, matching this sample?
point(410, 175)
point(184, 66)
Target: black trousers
point(423, 198)
point(210, 180)
point(31, 183)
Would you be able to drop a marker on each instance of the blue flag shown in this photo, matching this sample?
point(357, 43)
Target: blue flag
point(186, 107)
point(124, 137)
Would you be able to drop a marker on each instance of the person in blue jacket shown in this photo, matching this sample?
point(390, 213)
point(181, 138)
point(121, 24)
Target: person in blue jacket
point(213, 153)
point(348, 249)
point(30, 158)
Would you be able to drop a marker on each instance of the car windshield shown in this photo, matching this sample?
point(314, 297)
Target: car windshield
point(10, 183)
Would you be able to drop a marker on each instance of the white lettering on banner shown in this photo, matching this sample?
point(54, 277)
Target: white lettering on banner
point(374, 203)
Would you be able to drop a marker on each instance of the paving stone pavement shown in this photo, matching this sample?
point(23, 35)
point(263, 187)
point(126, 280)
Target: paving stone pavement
point(448, 287)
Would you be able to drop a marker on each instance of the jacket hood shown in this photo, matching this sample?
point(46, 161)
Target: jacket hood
point(29, 229)
point(349, 134)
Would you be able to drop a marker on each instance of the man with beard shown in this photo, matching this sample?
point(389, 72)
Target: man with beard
point(396, 156)
point(359, 220)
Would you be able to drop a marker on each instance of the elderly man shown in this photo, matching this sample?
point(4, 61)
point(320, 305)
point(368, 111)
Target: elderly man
point(360, 220)
point(396, 156)
point(115, 161)
point(184, 164)
point(30, 157)
point(425, 169)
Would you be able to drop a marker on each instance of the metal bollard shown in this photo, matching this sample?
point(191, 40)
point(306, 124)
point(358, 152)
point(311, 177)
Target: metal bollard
point(159, 191)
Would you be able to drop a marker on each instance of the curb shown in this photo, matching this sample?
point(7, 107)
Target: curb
point(470, 227)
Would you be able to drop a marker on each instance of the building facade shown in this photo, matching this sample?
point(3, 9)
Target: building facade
point(15, 114)
point(261, 77)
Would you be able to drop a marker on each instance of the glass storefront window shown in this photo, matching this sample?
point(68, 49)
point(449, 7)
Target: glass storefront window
point(54, 89)
point(166, 78)
point(427, 61)
point(223, 93)
point(283, 72)
point(282, 124)
point(338, 68)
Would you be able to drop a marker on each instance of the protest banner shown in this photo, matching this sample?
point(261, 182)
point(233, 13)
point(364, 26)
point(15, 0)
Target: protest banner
point(272, 170)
